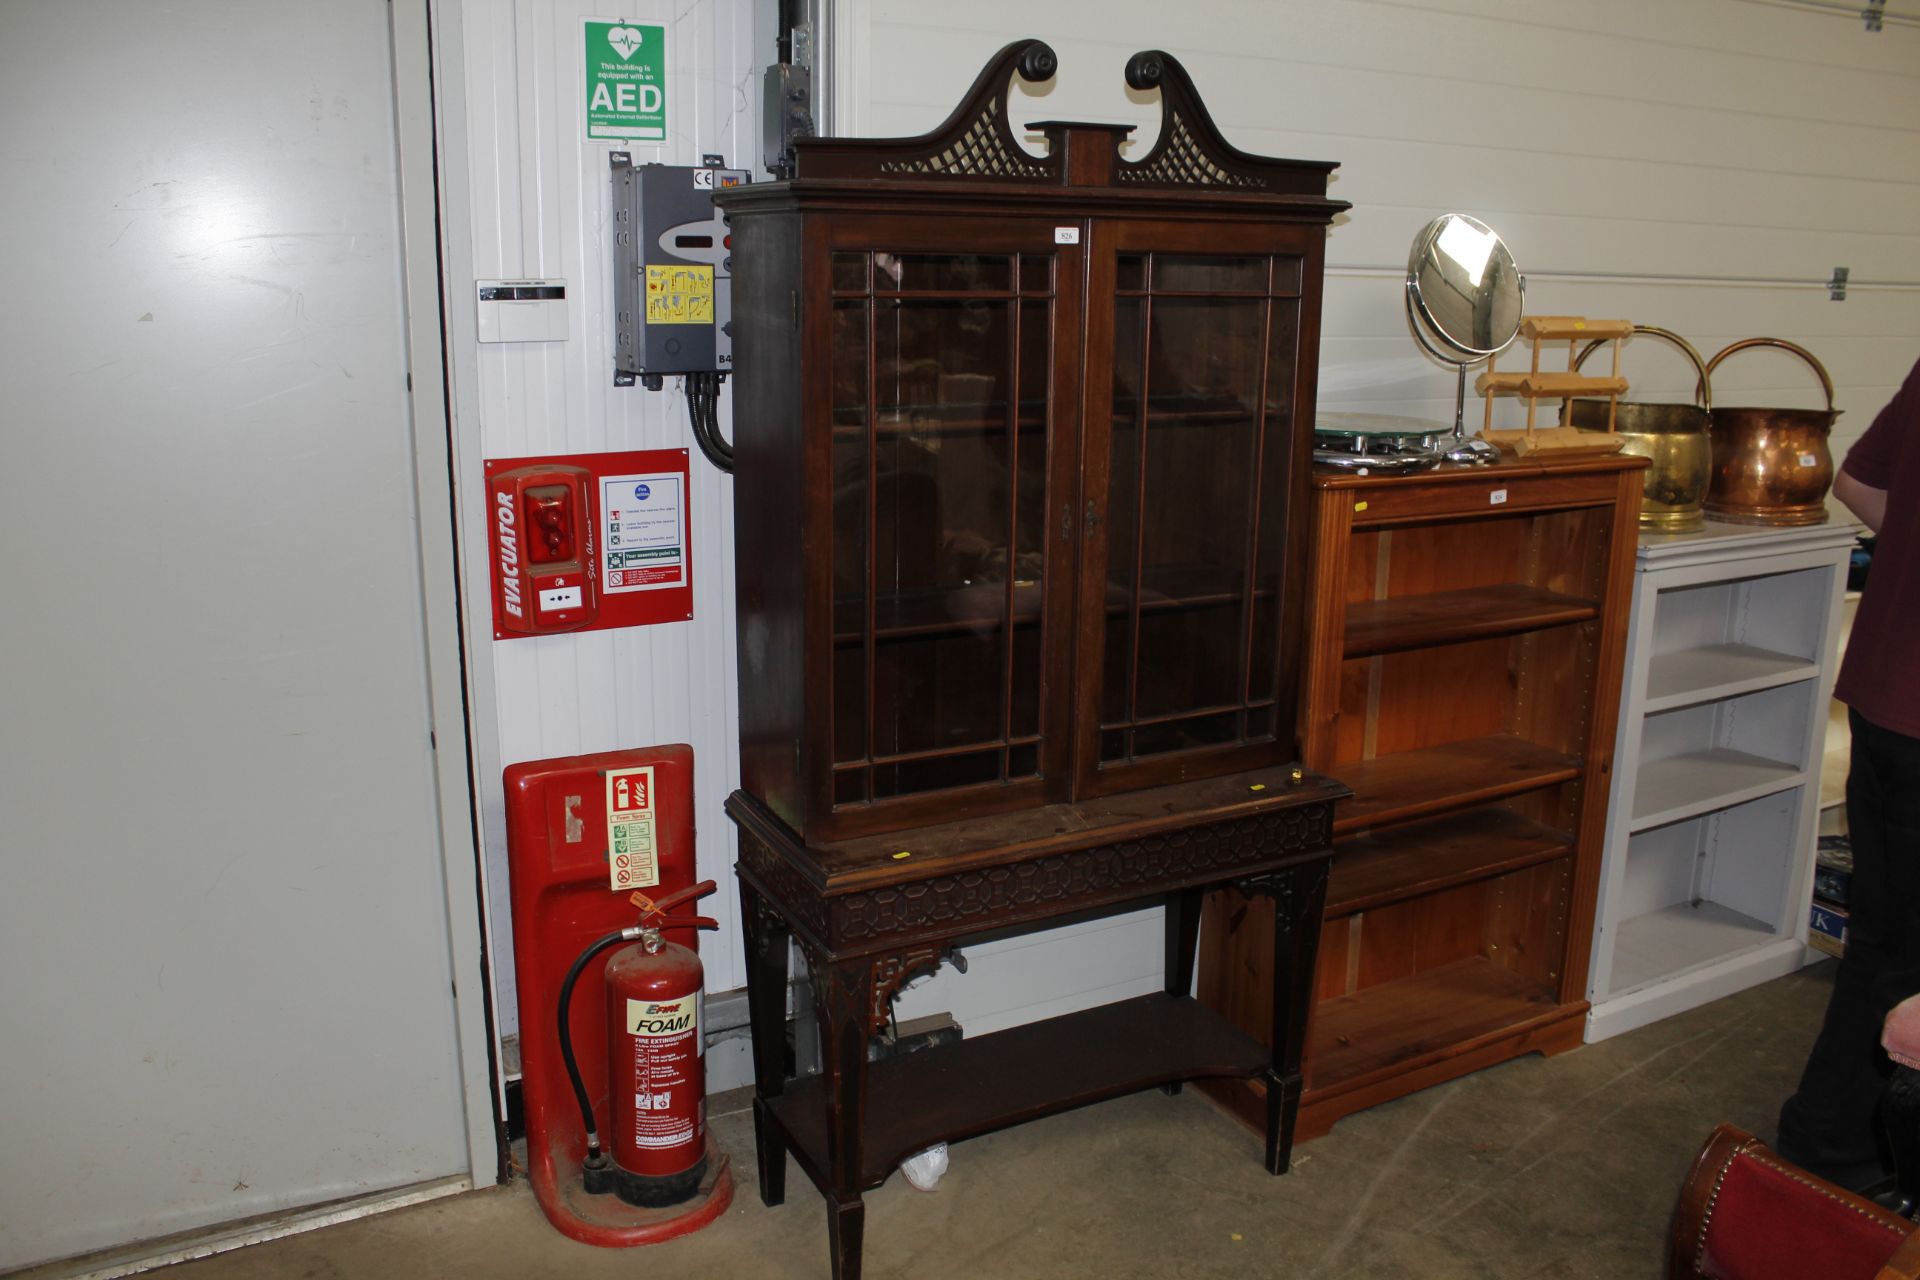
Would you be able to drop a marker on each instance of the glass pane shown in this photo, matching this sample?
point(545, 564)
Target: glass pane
point(943, 272)
point(1036, 273)
point(936, 692)
point(1131, 272)
point(1201, 383)
point(1123, 504)
point(851, 431)
point(1184, 735)
point(1275, 480)
point(940, 524)
point(913, 776)
point(1189, 657)
point(850, 272)
point(1023, 762)
point(1181, 274)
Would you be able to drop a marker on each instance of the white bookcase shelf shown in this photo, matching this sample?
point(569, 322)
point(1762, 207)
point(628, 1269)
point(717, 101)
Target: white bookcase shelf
point(1715, 671)
point(1710, 828)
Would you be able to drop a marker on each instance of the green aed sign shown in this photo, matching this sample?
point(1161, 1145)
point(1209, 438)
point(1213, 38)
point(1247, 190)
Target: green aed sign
point(626, 81)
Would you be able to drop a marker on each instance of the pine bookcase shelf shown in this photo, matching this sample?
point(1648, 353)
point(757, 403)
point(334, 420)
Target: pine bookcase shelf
point(1449, 617)
point(1455, 775)
point(1709, 852)
point(1384, 867)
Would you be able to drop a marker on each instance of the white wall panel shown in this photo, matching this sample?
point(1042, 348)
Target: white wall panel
point(1698, 166)
point(527, 196)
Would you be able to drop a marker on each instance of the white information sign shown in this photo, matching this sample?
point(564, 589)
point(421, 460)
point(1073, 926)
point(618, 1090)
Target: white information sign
point(644, 531)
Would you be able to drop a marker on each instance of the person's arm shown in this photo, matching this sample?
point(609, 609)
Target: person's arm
point(1866, 502)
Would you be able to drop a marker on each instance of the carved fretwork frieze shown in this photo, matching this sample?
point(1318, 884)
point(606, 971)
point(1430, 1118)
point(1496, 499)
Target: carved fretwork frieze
point(950, 905)
point(800, 901)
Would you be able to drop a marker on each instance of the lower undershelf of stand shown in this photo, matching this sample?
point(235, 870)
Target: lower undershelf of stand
point(1399, 1037)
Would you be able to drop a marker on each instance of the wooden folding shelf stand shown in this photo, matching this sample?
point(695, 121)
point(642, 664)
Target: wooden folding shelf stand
point(1535, 385)
point(1466, 640)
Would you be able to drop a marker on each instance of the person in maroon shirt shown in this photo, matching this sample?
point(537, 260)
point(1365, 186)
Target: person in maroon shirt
point(1828, 1126)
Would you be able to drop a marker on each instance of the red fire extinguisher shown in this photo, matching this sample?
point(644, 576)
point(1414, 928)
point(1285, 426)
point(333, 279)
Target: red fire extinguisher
point(656, 1066)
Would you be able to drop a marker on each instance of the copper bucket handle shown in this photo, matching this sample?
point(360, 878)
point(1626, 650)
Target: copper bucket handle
point(1702, 389)
point(1826, 383)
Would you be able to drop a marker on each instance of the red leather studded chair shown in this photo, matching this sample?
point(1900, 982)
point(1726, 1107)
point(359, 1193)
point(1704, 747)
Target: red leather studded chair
point(1746, 1214)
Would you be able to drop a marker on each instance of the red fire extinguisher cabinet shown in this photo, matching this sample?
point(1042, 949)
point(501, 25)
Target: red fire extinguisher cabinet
point(583, 834)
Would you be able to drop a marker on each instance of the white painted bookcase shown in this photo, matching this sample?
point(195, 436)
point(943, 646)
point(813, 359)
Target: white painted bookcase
point(1716, 784)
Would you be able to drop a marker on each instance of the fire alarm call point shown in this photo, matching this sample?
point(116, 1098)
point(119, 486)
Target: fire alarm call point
point(543, 573)
point(582, 542)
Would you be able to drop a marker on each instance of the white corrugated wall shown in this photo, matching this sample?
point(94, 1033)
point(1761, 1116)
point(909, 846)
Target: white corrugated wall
point(525, 195)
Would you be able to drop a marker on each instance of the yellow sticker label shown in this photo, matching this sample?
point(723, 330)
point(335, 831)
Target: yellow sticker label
point(679, 294)
point(1359, 506)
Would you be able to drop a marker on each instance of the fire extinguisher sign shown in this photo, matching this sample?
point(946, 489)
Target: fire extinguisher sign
point(633, 848)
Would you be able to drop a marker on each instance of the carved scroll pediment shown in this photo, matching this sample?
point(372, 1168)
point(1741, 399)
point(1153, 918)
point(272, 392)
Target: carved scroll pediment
point(977, 141)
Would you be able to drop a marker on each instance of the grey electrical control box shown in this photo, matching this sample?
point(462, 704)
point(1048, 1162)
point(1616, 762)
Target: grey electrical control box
point(673, 268)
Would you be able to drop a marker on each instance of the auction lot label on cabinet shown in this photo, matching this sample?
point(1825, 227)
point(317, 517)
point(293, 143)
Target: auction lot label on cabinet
point(626, 80)
point(633, 849)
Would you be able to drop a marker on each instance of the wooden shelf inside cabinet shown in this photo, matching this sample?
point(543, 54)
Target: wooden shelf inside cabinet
point(1413, 784)
point(1398, 1025)
point(1385, 867)
point(1451, 617)
point(977, 1086)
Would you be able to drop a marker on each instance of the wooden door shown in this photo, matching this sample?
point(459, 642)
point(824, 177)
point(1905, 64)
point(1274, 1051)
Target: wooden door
point(951, 366)
point(1201, 348)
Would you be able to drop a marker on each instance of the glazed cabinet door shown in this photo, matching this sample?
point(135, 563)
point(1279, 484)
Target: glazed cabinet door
point(1202, 346)
point(946, 374)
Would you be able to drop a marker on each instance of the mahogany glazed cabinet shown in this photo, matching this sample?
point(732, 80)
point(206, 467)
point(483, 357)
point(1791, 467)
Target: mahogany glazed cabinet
point(1468, 628)
point(1022, 457)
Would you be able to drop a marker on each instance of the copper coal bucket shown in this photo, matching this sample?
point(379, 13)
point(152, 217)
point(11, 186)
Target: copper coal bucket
point(1674, 436)
point(1771, 466)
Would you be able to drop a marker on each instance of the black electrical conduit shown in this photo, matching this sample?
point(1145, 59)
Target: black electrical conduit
point(703, 408)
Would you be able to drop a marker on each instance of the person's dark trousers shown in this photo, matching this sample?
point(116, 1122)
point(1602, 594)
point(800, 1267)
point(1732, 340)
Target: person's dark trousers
point(1829, 1126)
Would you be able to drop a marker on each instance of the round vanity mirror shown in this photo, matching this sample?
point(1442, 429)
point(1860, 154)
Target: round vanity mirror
point(1464, 301)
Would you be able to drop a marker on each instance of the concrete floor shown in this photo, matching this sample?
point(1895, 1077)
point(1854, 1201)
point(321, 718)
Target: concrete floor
point(1537, 1168)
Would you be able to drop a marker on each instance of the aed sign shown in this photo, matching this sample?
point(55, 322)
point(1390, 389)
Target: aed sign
point(626, 81)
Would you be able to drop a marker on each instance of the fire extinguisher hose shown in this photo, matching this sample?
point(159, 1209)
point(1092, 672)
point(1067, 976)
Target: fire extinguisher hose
point(566, 1032)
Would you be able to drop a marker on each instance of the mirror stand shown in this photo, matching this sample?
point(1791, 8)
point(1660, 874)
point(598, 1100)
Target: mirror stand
point(1473, 452)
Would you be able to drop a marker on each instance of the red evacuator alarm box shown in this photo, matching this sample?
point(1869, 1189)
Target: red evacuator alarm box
point(544, 576)
point(584, 833)
point(584, 542)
